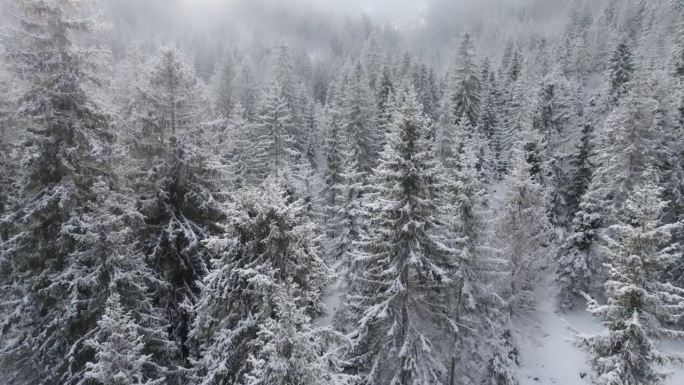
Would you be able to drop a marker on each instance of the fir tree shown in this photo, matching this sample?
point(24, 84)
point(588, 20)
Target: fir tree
point(474, 302)
point(639, 304)
point(359, 118)
point(65, 145)
point(524, 235)
point(119, 358)
point(581, 169)
point(269, 246)
point(404, 268)
point(292, 351)
point(464, 97)
point(223, 87)
point(620, 70)
point(500, 367)
point(180, 212)
point(275, 148)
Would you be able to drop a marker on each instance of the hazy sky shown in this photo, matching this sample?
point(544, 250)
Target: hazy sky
point(389, 10)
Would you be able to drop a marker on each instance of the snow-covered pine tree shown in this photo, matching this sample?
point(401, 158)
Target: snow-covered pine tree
point(8, 138)
point(552, 118)
point(334, 161)
point(371, 59)
point(119, 356)
point(581, 169)
point(291, 351)
point(268, 246)
point(463, 96)
point(343, 186)
point(425, 84)
point(358, 109)
point(488, 119)
point(403, 271)
point(631, 141)
point(275, 148)
point(578, 267)
point(474, 302)
point(170, 101)
point(516, 118)
point(238, 151)
point(620, 70)
point(630, 144)
point(524, 234)
point(640, 305)
point(283, 78)
point(247, 88)
point(386, 106)
point(180, 212)
point(678, 52)
point(500, 369)
point(222, 85)
point(65, 146)
point(172, 172)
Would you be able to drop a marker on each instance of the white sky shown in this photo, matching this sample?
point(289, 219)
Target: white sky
point(387, 10)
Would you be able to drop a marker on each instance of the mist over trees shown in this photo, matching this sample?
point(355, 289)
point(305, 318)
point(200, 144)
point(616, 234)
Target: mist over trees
point(298, 192)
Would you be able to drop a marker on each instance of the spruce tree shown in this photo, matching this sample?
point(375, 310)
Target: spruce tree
point(474, 303)
point(640, 306)
point(620, 70)
point(222, 86)
point(275, 147)
point(268, 248)
point(292, 351)
point(524, 234)
point(464, 87)
point(403, 269)
point(359, 118)
point(500, 369)
point(119, 357)
point(48, 282)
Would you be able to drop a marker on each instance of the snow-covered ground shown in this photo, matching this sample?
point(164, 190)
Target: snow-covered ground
point(334, 294)
point(547, 353)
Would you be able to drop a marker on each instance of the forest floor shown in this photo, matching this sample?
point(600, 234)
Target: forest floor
point(545, 342)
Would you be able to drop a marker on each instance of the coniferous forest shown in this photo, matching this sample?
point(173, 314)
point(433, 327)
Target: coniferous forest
point(307, 193)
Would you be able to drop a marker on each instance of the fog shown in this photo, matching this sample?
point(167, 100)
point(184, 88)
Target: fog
point(206, 27)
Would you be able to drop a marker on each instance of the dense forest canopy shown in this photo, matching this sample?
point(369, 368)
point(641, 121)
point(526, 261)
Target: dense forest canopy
point(370, 192)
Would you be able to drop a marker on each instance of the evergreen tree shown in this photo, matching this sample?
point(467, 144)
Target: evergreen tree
point(386, 107)
point(175, 174)
point(50, 298)
point(403, 271)
point(275, 146)
point(524, 234)
point(474, 302)
point(500, 367)
point(180, 212)
point(119, 358)
point(620, 70)
point(268, 247)
point(239, 150)
point(630, 146)
point(223, 87)
point(335, 157)
point(551, 118)
point(464, 88)
point(631, 137)
point(639, 304)
point(581, 169)
point(292, 351)
point(171, 103)
point(678, 52)
point(359, 118)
